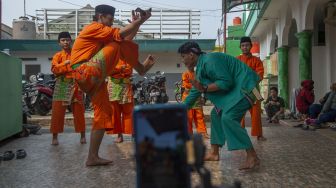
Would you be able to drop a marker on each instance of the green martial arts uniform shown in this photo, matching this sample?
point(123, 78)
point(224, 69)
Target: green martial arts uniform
point(235, 81)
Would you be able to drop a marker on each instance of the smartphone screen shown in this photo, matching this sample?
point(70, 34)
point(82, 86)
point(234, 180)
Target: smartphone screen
point(160, 137)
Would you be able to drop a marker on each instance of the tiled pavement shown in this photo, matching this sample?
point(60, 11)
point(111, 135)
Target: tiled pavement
point(290, 157)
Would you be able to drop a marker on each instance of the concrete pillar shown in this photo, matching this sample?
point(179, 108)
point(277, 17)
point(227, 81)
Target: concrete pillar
point(305, 54)
point(283, 74)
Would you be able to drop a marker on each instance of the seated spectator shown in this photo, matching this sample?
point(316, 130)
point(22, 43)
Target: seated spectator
point(274, 106)
point(315, 109)
point(328, 113)
point(305, 97)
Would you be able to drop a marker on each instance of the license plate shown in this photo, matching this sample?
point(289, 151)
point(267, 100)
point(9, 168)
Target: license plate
point(139, 88)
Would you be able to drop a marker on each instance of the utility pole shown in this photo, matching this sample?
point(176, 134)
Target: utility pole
point(224, 19)
point(24, 8)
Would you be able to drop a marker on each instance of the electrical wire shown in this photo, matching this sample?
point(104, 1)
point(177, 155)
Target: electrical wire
point(70, 3)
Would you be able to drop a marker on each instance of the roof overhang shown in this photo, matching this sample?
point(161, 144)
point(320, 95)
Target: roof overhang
point(160, 45)
point(261, 20)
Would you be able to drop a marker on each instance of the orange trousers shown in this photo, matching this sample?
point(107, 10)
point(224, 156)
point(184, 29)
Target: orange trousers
point(255, 111)
point(122, 118)
point(90, 77)
point(58, 113)
point(197, 116)
point(102, 110)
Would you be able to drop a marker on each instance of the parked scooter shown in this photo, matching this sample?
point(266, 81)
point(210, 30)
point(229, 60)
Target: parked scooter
point(38, 95)
point(178, 91)
point(157, 89)
point(139, 92)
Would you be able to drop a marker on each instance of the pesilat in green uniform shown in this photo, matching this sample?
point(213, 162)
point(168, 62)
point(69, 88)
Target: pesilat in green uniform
point(235, 81)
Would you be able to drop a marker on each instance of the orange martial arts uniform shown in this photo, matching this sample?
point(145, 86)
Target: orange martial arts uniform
point(255, 64)
point(195, 114)
point(121, 98)
point(66, 93)
point(94, 55)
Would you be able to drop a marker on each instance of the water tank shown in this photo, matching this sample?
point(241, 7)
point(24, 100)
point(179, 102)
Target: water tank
point(237, 21)
point(255, 48)
point(23, 28)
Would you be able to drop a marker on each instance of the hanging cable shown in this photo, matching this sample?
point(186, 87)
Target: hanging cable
point(70, 3)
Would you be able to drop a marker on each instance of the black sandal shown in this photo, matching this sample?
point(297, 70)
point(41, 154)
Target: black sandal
point(333, 127)
point(8, 155)
point(20, 154)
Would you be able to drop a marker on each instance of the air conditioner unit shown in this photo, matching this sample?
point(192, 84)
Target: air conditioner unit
point(331, 14)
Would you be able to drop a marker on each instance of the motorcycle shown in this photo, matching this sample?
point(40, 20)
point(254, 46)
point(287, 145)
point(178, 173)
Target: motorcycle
point(178, 91)
point(139, 95)
point(157, 89)
point(38, 95)
point(150, 90)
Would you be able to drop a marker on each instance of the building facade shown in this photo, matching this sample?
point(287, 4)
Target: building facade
point(36, 56)
point(297, 42)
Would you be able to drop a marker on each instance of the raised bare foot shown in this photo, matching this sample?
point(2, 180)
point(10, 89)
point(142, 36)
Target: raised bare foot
point(98, 162)
point(83, 140)
point(54, 142)
point(261, 138)
point(211, 157)
point(250, 164)
point(119, 139)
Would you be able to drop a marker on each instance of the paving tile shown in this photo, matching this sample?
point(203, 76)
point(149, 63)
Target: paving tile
point(290, 157)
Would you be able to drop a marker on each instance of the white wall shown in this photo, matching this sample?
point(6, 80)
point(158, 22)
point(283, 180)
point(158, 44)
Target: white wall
point(263, 47)
point(331, 52)
point(166, 61)
point(42, 59)
point(293, 69)
point(319, 69)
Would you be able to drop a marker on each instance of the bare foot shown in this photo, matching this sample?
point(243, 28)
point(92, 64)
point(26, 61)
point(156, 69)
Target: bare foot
point(261, 138)
point(83, 140)
point(250, 164)
point(98, 162)
point(205, 135)
point(211, 157)
point(119, 139)
point(54, 142)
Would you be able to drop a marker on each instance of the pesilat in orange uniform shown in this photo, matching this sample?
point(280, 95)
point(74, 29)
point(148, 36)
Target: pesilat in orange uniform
point(195, 114)
point(255, 64)
point(66, 92)
point(121, 98)
point(95, 53)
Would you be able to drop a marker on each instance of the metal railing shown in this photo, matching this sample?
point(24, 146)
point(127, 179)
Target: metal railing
point(162, 24)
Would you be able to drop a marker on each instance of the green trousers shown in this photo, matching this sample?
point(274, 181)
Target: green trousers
point(226, 127)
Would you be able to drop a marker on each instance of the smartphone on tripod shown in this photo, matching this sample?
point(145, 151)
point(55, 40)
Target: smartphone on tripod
point(160, 143)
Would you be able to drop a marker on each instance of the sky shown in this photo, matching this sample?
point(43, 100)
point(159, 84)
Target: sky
point(210, 9)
